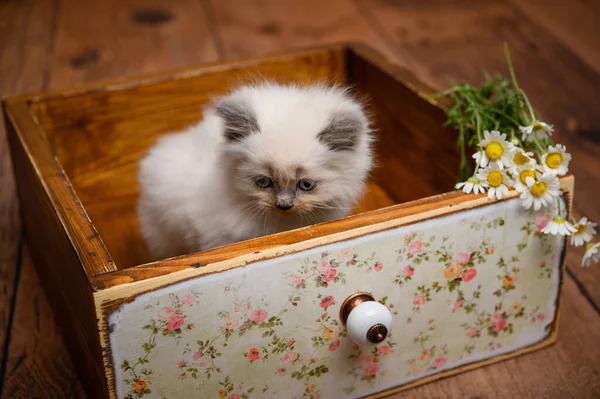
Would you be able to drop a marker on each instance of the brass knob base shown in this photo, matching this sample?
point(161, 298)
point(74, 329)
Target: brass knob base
point(353, 301)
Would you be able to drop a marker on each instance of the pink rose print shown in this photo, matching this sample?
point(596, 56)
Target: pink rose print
point(188, 299)
point(233, 396)
point(472, 331)
point(174, 322)
point(181, 364)
point(499, 323)
point(166, 312)
point(323, 267)
point(366, 360)
point(384, 349)
point(345, 255)
point(469, 275)
point(415, 247)
point(329, 275)
point(420, 299)
point(378, 266)
point(253, 354)
point(408, 271)
point(541, 317)
point(281, 371)
point(258, 316)
point(463, 258)
point(290, 342)
point(200, 360)
point(289, 358)
point(297, 280)
point(439, 362)
point(457, 305)
point(371, 369)
point(334, 345)
point(326, 302)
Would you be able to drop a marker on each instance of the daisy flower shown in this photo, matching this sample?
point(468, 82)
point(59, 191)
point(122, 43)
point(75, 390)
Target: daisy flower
point(559, 225)
point(495, 179)
point(592, 253)
point(495, 150)
point(541, 192)
point(521, 174)
point(556, 160)
point(520, 158)
point(539, 130)
point(584, 232)
point(472, 184)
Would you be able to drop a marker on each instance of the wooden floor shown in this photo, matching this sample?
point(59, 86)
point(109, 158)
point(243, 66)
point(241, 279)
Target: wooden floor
point(58, 43)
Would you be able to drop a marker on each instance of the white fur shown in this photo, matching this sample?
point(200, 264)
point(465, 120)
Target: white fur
point(197, 190)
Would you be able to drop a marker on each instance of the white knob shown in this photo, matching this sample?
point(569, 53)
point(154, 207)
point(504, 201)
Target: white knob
point(368, 322)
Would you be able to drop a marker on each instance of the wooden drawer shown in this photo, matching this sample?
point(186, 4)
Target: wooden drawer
point(468, 281)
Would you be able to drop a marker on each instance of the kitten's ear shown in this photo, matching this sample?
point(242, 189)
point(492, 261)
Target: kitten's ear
point(343, 131)
point(239, 119)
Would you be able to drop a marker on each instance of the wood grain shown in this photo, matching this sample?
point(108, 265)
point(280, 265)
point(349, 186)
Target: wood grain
point(574, 23)
point(460, 39)
point(57, 259)
point(37, 353)
point(115, 38)
point(24, 44)
point(259, 27)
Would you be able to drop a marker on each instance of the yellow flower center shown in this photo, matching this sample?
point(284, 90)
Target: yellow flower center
point(538, 189)
point(581, 228)
point(495, 178)
point(521, 159)
point(525, 174)
point(494, 150)
point(536, 127)
point(553, 160)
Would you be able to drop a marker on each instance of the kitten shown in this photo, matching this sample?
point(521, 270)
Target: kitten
point(265, 159)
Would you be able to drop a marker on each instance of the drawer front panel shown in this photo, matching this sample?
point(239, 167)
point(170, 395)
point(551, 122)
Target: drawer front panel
point(462, 288)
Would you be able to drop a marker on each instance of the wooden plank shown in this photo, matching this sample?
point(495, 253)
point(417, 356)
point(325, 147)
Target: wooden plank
point(574, 23)
point(568, 369)
point(257, 27)
point(24, 43)
point(38, 362)
point(458, 40)
point(106, 39)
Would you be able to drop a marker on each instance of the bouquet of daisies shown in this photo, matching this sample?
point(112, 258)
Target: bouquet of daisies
point(513, 148)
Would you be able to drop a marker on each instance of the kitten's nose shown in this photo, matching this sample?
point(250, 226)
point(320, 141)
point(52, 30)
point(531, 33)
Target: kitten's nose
point(284, 206)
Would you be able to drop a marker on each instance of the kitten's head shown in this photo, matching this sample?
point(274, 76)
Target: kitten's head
point(296, 150)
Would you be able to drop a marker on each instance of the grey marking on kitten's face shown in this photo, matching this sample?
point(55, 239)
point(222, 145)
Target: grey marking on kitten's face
point(342, 132)
point(239, 119)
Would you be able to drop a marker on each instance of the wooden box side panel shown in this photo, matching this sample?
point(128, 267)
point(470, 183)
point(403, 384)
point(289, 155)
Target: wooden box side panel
point(416, 155)
point(65, 282)
point(473, 286)
point(100, 134)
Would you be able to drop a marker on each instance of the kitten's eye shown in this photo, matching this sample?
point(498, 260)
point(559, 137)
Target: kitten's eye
point(263, 182)
point(306, 185)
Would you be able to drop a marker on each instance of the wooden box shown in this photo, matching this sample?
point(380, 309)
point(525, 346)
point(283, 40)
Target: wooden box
point(468, 281)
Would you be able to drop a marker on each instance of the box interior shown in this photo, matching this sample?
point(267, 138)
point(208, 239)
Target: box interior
point(99, 135)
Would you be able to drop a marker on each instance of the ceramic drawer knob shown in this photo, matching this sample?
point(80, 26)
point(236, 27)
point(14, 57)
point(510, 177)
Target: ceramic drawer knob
point(368, 322)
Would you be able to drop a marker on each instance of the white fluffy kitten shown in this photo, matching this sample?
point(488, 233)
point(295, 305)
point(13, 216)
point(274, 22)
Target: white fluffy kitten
point(265, 159)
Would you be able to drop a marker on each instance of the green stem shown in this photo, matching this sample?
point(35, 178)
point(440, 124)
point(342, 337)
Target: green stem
point(559, 207)
point(529, 107)
point(446, 92)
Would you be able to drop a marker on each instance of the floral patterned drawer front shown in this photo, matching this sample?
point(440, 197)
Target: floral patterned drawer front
point(462, 288)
